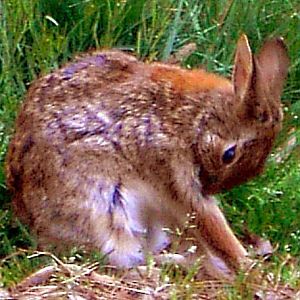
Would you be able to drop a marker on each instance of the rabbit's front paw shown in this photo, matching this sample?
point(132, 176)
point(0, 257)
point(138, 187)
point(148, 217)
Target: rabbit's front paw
point(216, 267)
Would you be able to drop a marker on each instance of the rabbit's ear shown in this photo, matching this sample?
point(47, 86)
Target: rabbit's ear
point(258, 80)
point(271, 66)
point(243, 68)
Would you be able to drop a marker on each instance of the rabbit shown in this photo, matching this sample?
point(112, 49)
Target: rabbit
point(108, 151)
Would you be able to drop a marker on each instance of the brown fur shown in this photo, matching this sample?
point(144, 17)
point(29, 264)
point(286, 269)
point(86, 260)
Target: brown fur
point(108, 150)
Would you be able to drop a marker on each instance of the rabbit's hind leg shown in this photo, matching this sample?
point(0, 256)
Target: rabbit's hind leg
point(136, 227)
point(124, 234)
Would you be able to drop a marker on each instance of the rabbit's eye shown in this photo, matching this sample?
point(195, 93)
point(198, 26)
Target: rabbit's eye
point(229, 155)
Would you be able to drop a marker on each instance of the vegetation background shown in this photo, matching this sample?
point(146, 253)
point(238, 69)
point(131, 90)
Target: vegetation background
point(38, 36)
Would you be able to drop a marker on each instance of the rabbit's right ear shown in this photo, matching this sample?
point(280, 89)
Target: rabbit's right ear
point(272, 64)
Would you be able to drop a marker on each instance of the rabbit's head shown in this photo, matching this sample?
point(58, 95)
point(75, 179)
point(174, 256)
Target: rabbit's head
point(236, 134)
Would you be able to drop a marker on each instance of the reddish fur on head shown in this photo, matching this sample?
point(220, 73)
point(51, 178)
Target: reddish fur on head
point(185, 81)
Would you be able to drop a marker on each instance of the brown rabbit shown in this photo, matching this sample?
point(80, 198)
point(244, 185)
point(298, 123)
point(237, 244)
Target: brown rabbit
point(109, 150)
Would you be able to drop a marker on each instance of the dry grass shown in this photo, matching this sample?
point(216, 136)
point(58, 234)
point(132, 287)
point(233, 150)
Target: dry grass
point(70, 281)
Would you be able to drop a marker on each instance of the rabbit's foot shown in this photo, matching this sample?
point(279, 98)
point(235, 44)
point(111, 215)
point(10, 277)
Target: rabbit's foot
point(123, 250)
point(170, 258)
point(157, 239)
point(216, 267)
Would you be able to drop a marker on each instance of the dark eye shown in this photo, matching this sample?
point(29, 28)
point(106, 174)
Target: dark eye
point(228, 155)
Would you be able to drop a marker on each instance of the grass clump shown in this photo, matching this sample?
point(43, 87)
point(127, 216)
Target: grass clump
point(38, 36)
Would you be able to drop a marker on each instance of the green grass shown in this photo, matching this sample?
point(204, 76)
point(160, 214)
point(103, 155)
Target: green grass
point(38, 36)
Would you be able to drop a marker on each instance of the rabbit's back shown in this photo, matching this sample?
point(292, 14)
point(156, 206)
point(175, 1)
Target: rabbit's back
point(74, 100)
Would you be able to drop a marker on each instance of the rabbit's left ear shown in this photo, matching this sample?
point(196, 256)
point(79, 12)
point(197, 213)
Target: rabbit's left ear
point(243, 68)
